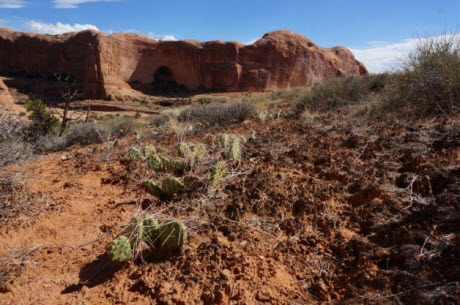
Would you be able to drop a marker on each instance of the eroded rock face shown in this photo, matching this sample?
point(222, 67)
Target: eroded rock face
point(5, 97)
point(110, 66)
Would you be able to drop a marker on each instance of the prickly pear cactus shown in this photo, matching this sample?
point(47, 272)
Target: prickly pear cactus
point(151, 230)
point(178, 165)
point(171, 185)
point(149, 150)
point(171, 236)
point(184, 150)
point(152, 188)
point(120, 249)
point(165, 164)
point(154, 163)
point(199, 152)
point(223, 140)
point(134, 231)
point(252, 135)
point(217, 174)
point(134, 153)
point(235, 150)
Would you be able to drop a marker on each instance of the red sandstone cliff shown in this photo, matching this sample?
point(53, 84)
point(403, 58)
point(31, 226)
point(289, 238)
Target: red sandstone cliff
point(108, 66)
point(5, 98)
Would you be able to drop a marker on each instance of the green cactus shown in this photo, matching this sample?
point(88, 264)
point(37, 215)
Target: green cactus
point(120, 249)
point(151, 230)
point(242, 139)
point(134, 153)
point(235, 150)
point(154, 163)
point(152, 188)
point(223, 140)
point(199, 152)
point(217, 174)
point(171, 185)
point(178, 165)
point(149, 150)
point(184, 150)
point(171, 236)
point(134, 231)
point(165, 164)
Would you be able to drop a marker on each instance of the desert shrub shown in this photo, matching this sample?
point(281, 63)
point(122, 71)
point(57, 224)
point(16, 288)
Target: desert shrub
point(218, 113)
point(119, 126)
point(333, 93)
point(161, 119)
point(429, 81)
point(51, 143)
point(42, 122)
point(85, 133)
point(12, 146)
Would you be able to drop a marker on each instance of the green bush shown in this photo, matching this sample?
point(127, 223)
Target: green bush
point(333, 93)
point(42, 122)
point(429, 82)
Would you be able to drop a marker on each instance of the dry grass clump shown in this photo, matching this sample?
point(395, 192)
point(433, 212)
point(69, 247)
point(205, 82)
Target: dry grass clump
point(218, 113)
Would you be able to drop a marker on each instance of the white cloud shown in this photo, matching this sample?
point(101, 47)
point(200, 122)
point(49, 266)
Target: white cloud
point(75, 3)
point(384, 56)
point(58, 28)
point(250, 41)
point(161, 37)
point(12, 3)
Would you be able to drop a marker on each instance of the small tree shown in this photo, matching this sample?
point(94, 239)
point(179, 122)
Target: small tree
point(69, 93)
point(42, 121)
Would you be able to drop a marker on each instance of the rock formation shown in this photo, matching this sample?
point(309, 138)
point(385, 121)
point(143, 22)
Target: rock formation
point(5, 97)
point(110, 66)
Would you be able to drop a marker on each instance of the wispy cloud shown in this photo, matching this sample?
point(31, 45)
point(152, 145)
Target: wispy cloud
point(382, 56)
point(75, 3)
point(58, 28)
point(12, 3)
point(250, 41)
point(161, 37)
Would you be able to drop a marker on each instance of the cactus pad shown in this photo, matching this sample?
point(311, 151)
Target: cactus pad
point(154, 163)
point(217, 174)
point(120, 249)
point(235, 150)
point(152, 188)
point(134, 231)
point(171, 185)
point(223, 140)
point(151, 230)
point(165, 164)
point(171, 236)
point(199, 151)
point(149, 150)
point(134, 153)
point(184, 150)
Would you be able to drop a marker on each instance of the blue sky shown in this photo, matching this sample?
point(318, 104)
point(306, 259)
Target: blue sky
point(367, 27)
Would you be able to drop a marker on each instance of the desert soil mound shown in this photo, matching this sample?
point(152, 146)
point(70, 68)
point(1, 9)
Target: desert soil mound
point(313, 213)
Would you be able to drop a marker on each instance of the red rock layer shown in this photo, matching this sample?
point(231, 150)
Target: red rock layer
point(109, 65)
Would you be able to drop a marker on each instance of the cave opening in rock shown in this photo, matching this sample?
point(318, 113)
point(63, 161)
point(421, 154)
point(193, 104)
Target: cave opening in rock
point(165, 83)
point(163, 75)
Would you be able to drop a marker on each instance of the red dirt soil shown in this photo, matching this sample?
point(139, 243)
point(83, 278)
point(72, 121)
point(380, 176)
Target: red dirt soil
point(316, 213)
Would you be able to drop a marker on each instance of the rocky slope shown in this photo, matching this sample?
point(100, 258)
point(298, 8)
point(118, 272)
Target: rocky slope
point(110, 66)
